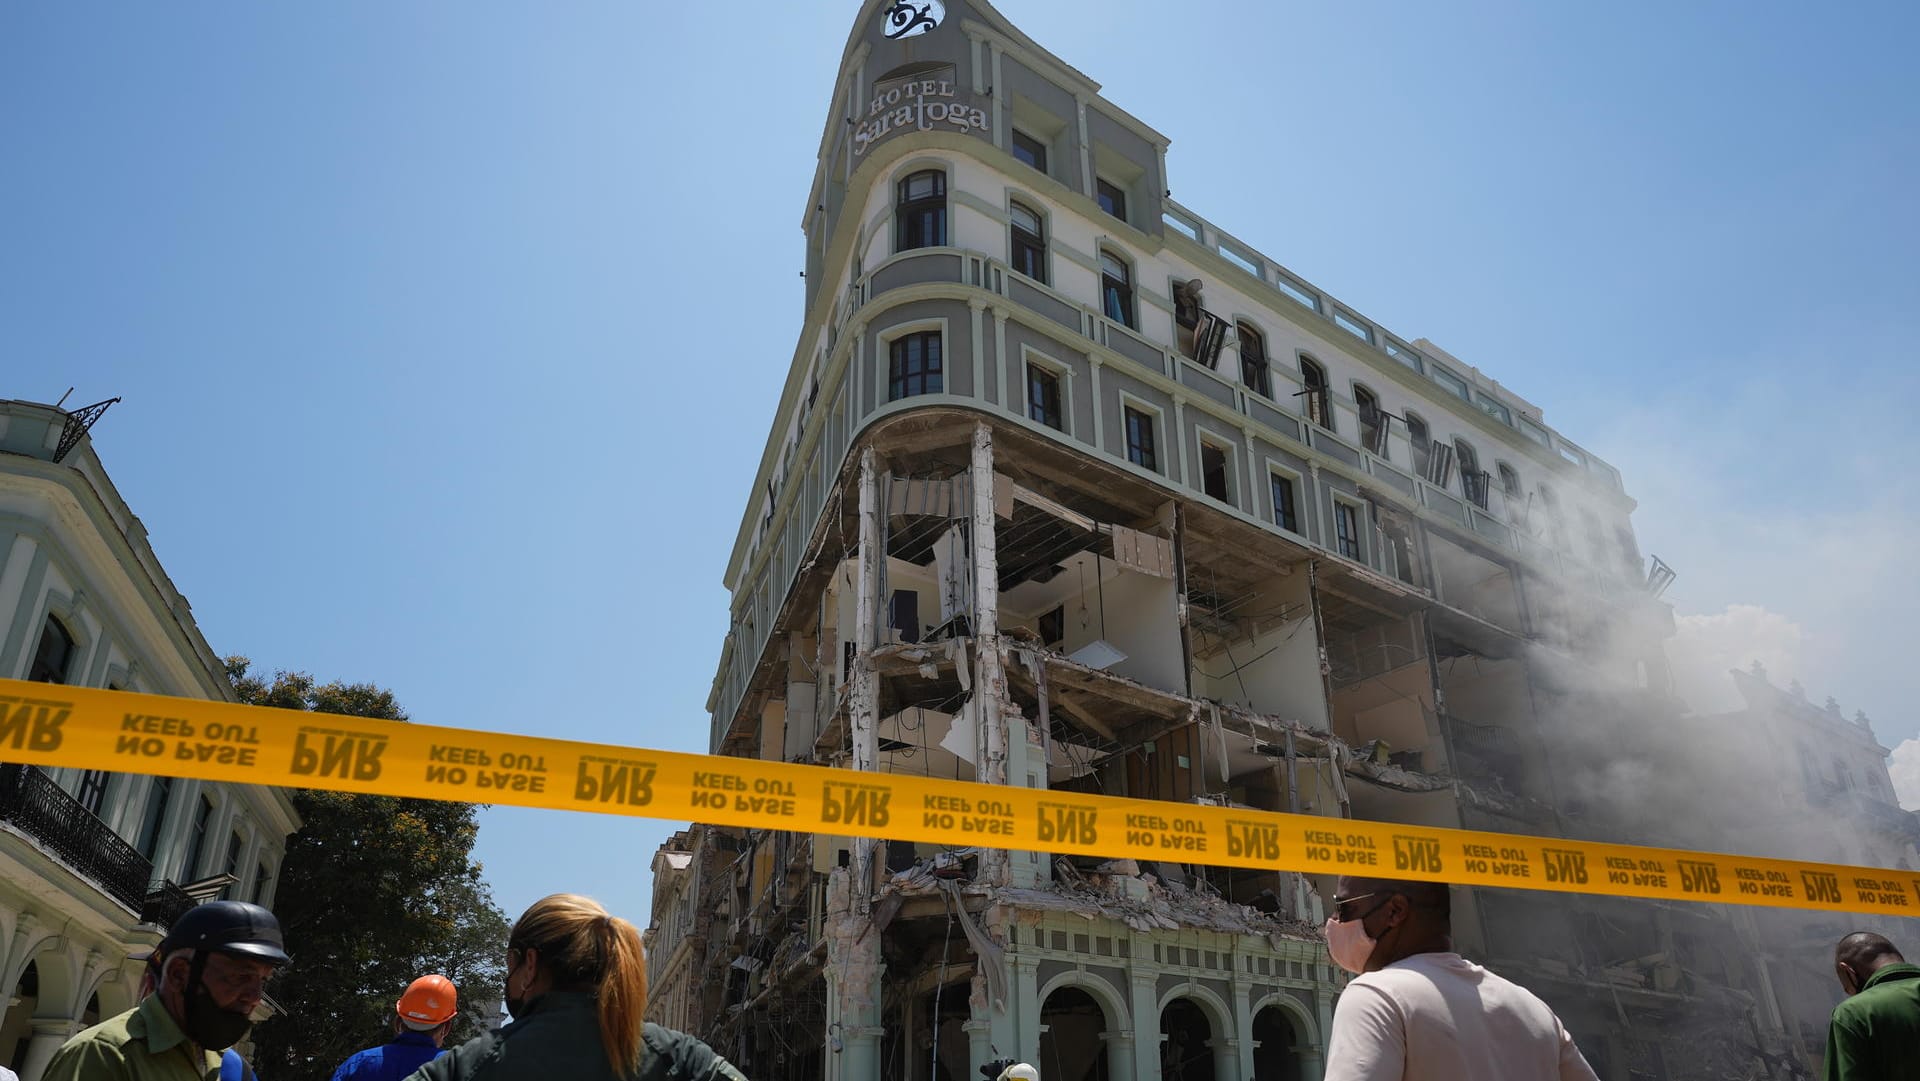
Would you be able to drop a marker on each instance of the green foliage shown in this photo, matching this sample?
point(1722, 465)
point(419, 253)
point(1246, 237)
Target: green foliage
point(375, 891)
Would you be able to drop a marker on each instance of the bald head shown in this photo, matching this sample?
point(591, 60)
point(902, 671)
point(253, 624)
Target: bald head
point(1431, 897)
point(1859, 956)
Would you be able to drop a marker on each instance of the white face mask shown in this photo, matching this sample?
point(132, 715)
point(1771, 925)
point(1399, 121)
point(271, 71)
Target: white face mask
point(1349, 944)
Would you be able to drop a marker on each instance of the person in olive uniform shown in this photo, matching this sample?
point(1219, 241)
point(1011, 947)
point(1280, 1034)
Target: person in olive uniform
point(1875, 1032)
point(209, 973)
point(577, 989)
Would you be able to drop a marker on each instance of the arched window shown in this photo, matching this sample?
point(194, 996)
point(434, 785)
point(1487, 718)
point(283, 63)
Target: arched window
point(1253, 361)
point(54, 654)
point(1422, 443)
point(1028, 252)
point(922, 211)
point(1319, 405)
point(1509, 482)
point(1116, 288)
point(1373, 420)
point(913, 365)
point(1473, 479)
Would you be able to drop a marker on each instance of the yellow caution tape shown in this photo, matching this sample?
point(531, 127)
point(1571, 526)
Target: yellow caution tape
point(49, 725)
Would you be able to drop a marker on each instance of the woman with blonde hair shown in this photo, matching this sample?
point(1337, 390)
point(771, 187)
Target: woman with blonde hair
point(577, 989)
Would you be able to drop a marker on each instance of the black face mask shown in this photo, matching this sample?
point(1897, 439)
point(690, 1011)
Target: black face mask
point(206, 1023)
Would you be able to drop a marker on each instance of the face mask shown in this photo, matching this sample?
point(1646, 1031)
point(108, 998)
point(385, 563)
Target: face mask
point(1349, 944)
point(210, 1026)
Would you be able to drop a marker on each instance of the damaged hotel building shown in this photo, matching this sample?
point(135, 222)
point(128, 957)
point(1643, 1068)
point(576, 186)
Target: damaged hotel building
point(1070, 489)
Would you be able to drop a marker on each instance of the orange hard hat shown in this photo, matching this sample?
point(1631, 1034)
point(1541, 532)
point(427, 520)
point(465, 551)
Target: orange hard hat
point(429, 1001)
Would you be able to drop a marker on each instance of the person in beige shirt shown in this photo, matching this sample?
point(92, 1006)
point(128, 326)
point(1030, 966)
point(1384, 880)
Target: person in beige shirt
point(1416, 1010)
point(210, 971)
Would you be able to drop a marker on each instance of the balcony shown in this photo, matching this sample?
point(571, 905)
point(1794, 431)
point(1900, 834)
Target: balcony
point(33, 805)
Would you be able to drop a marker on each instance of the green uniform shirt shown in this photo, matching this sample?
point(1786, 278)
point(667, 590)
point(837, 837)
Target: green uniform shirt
point(1875, 1035)
point(143, 1044)
point(559, 1038)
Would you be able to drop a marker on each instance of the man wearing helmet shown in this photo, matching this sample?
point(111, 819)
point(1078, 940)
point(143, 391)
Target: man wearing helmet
point(209, 974)
point(421, 1020)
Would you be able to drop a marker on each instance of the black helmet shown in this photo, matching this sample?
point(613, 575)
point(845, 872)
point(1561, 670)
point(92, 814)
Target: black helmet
point(229, 927)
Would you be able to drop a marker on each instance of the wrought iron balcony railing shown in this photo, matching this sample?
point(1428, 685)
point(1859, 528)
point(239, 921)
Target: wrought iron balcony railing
point(33, 804)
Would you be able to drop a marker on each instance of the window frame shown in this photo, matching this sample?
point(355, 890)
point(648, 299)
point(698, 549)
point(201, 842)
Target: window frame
point(1208, 440)
point(1277, 476)
point(1377, 446)
point(1039, 149)
point(40, 669)
point(896, 335)
point(153, 817)
point(903, 206)
point(197, 829)
point(1317, 401)
point(1351, 515)
point(1244, 330)
point(1421, 447)
point(1054, 374)
point(1129, 407)
point(1034, 243)
point(1474, 482)
point(1122, 289)
point(1109, 196)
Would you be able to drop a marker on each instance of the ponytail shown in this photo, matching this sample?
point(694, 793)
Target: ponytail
point(586, 949)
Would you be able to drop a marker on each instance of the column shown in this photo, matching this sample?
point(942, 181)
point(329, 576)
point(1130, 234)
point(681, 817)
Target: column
point(1227, 1052)
point(1146, 1027)
point(1119, 1054)
point(1242, 1021)
point(1023, 1011)
point(990, 676)
point(48, 1035)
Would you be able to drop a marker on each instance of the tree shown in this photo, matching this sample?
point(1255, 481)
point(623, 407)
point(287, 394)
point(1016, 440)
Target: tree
point(375, 891)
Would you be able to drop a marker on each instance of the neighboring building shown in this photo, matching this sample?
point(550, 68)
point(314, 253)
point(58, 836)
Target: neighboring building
point(92, 863)
point(676, 942)
point(1070, 489)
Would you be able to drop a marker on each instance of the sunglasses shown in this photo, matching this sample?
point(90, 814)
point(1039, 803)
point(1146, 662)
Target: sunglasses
point(1343, 910)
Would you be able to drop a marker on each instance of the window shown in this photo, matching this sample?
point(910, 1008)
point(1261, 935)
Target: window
point(1111, 198)
point(1028, 149)
point(1422, 443)
point(1319, 408)
point(231, 891)
point(1473, 480)
point(1253, 361)
point(1028, 252)
point(197, 839)
point(261, 877)
point(1053, 626)
point(1116, 289)
point(913, 365)
point(1449, 380)
point(903, 614)
point(923, 210)
point(1509, 483)
point(1535, 432)
point(1214, 475)
point(1373, 420)
point(54, 654)
point(159, 794)
point(1043, 396)
point(1495, 410)
point(1346, 527)
point(1140, 439)
point(93, 790)
point(1285, 514)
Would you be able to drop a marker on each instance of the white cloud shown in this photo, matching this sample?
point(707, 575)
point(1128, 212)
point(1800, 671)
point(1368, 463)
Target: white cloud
point(1904, 766)
point(1705, 647)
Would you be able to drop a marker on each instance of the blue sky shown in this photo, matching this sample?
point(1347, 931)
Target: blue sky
point(449, 334)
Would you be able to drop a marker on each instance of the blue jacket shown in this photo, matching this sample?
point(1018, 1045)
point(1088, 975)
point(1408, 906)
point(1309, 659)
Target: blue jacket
point(391, 1061)
point(232, 1067)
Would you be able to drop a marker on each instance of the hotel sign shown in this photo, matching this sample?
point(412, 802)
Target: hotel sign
point(916, 104)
